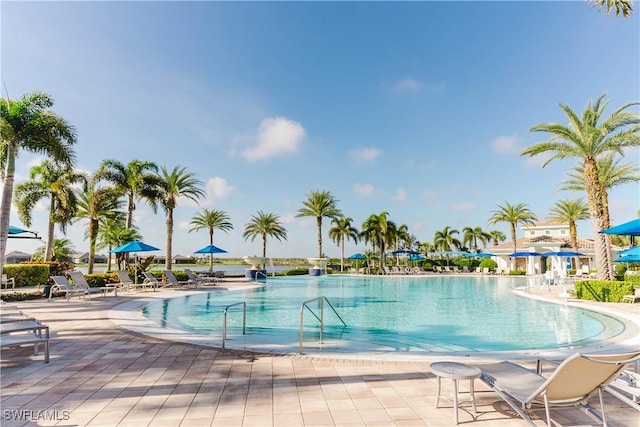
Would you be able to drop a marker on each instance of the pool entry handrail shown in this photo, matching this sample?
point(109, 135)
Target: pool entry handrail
point(260, 273)
point(304, 305)
point(224, 320)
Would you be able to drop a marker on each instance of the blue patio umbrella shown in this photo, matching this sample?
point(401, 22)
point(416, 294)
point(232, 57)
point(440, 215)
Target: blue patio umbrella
point(16, 233)
point(210, 249)
point(524, 254)
point(631, 228)
point(628, 258)
point(357, 256)
point(562, 253)
point(631, 251)
point(417, 257)
point(134, 246)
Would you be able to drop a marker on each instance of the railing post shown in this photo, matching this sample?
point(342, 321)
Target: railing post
point(224, 321)
point(322, 320)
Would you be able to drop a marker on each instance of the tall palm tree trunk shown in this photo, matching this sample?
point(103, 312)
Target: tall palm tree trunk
point(319, 223)
point(604, 263)
point(169, 222)
point(48, 253)
point(211, 255)
point(131, 206)
point(93, 233)
point(515, 244)
point(7, 193)
point(342, 254)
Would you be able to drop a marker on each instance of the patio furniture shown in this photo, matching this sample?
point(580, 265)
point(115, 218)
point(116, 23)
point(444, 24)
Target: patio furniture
point(61, 284)
point(571, 384)
point(456, 371)
point(6, 281)
point(81, 283)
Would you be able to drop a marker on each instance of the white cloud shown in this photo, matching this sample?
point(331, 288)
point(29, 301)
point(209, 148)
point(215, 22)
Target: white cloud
point(506, 145)
point(400, 195)
point(427, 194)
point(288, 218)
point(463, 207)
point(363, 190)
point(276, 136)
point(417, 226)
point(218, 188)
point(409, 85)
point(364, 154)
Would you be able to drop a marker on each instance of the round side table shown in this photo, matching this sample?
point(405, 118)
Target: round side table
point(456, 371)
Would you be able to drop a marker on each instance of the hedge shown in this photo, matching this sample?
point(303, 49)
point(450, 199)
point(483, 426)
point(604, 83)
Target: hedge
point(603, 290)
point(27, 274)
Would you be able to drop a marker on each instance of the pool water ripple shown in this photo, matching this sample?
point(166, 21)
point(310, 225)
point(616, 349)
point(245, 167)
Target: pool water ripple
point(435, 313)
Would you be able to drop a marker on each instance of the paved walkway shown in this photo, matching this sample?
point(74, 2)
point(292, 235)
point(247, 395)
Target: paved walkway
point(102, 375)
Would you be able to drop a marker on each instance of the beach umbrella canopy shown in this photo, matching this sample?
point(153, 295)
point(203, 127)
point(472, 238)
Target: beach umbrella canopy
point(563, 253)
point(631, 228)
point(452, 253)
point(15, 233)
point(631, 251)
point(523, 254)
point(628, 258)
point(357, 256)
point(134, 246)
point(417, 257)
point(210, 249)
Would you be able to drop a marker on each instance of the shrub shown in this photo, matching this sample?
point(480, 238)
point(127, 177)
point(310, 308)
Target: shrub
point(28, 274)
point(298, 271)
point(632, 277)
point(489, 263)
point(517, 273)
point(603, 290)
point(20, 296)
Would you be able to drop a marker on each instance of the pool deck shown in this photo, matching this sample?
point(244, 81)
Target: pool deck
point(102, 374)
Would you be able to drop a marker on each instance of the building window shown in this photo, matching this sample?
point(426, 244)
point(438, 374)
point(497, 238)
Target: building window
point(563, 231)
point(547, 232)
point(533, 232)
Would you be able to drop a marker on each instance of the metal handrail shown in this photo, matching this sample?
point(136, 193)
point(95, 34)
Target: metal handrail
point(224, 321)
point(320, 319)
point(259, 273)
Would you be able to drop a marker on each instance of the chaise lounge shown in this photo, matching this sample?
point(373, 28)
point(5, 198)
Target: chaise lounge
point(572, 383)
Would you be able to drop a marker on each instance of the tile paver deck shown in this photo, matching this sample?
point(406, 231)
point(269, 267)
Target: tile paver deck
point(103, 375)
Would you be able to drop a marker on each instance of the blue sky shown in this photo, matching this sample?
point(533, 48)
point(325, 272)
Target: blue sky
point(419, 109)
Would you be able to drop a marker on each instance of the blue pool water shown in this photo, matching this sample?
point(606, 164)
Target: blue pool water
point(441, 313)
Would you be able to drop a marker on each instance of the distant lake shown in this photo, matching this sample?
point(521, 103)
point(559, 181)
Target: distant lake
point(229, 269)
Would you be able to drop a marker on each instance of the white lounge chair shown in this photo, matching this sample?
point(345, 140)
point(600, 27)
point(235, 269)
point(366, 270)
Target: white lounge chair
point(173, 281)
point(6, 281)
point(199, 279)
point(571, 384)
point(81, 283)
point(61, 284)
point(126, 282)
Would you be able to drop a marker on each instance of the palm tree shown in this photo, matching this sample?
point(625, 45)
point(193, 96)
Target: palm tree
point(622, 7)
point(264, 225)
point(54, 182)
point(62, 251)
point(113, 233)
point(319, 204)
point(570, 211)
point(341, 231)
point(588, 138)
point(28, 124)
point(175, 184)
point(211, 220)
point(445, 240)
point(610, 172)
point(514, 215)
point(472, 235)
point(375, 230)
point(496, 237)
point(136, 180)
point(97, 204)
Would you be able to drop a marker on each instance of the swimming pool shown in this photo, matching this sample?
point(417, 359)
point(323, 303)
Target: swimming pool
point(432, 314)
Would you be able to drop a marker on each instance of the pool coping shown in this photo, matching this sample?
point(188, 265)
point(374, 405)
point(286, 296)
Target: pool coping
point(129, 316)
